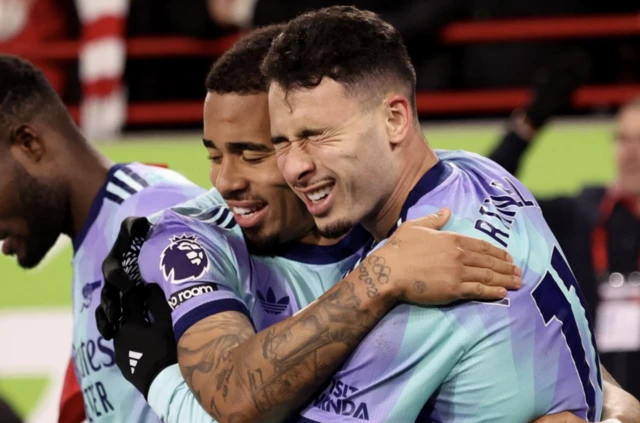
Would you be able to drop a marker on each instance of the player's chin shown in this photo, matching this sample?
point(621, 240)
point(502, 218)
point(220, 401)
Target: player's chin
point(31, 254)
point(334, 228)
point(260, 239)
point(27, 260)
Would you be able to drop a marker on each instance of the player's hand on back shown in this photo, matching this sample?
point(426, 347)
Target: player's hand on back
point(425, 266)
point(121, 274)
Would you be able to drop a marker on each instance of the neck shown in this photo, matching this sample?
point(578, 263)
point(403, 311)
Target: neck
point(416, 159)
point(87, 176)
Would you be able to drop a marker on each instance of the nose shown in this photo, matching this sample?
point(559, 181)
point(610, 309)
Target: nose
point(228, 179)
point(296, 164)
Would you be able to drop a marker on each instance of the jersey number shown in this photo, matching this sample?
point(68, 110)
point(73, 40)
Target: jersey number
point(553, 304)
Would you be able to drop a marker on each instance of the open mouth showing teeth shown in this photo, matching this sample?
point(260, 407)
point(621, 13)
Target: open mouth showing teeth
point(245, 212)
point(319, 195)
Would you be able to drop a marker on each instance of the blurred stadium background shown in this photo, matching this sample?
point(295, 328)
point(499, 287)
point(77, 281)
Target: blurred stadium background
point(132, 74)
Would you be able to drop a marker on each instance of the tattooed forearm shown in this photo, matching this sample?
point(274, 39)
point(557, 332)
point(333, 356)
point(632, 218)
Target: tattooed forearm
point(238, 375)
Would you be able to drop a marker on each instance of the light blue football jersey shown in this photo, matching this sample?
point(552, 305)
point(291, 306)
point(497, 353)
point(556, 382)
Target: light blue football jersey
point(198, 255)
point(130, 190)
point(511, 361)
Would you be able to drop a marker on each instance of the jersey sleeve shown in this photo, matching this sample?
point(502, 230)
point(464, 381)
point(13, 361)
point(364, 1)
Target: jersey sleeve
point(170, 397)
point(196, 266)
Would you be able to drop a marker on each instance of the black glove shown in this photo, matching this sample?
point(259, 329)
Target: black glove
point(554, 85)
point(121, 274)
point(145, 346)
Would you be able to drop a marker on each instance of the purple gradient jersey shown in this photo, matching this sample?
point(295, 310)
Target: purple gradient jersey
point(198, 255)
point(130, 190)
point(509, 361)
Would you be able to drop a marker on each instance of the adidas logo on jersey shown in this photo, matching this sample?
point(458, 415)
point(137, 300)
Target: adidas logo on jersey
point(134, 357)
point(270, 304)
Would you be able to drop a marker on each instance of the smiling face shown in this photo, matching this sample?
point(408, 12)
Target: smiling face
point(334, 153)
point(627, 149)
point(243, 169)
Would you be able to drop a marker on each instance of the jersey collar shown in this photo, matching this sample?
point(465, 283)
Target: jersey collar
point(430, 180)
point(351, 244)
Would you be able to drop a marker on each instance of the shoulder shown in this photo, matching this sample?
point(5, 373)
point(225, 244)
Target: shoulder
point(153, 175)
point(157, 197)
point(183, 248)
point(487, 203)
point(151, 189)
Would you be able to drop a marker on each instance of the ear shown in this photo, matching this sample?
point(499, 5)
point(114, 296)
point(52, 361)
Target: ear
point(26, 142)
point(399, 118)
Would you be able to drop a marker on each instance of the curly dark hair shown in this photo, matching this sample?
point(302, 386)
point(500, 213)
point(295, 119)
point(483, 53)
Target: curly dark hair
point(238, 70)
point(25, 93)
point(353, 47)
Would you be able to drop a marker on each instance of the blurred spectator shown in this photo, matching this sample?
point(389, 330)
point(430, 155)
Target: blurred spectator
point(169, 78)
point(599, 228)
point(101, 66)
point(27, 22)
point(7, 415)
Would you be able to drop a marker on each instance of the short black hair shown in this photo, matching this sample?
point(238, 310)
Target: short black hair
point(353, 47)
point(238, 70)
point(26, 93)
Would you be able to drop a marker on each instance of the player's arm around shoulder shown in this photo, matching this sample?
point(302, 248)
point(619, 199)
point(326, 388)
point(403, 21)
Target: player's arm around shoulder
point(195, 280)
point(241, 376)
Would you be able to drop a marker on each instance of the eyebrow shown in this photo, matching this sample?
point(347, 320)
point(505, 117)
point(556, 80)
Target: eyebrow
point(305, 133)
point(279, 139)
point(208, 143)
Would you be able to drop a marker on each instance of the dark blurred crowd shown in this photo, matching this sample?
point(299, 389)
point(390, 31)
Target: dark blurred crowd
point(485, 65)
point(492, 65)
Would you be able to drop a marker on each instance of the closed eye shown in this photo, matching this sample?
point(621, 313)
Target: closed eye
point(281, 146)
point(215, 159)
point(253, 157)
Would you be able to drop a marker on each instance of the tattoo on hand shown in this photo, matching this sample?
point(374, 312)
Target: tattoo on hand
point(287, 363)
point(372, 291)
point(420, 287)
point(379, 269)
point(394, 241)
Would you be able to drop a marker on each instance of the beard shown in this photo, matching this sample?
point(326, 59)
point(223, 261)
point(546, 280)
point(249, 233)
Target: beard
point(260, 242)
point(45, 212)
point(336, 229)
